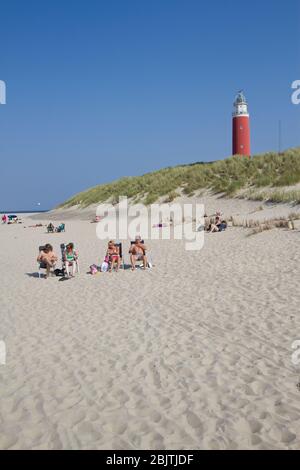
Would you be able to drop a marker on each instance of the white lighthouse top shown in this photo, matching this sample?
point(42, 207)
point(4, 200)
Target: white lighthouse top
point(240, 105)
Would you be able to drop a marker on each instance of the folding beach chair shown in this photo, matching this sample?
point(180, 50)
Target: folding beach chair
point(41, 264)
point(119, 245)
point(139, 263)
point(61, 228)
point(63, 247)
point(108, 260)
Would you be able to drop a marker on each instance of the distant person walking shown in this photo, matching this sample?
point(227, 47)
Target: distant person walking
point(4, 218)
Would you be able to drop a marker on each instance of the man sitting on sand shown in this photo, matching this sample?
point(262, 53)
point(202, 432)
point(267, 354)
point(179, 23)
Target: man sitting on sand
point(48, 257)
point(138, 253)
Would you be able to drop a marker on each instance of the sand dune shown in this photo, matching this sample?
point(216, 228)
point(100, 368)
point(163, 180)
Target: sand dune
point(193, 354)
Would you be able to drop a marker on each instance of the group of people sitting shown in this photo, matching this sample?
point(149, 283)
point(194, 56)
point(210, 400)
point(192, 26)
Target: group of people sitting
point(48, 259)
point(137, 252)
point(10, 219)
point(59, 229)
point(216, 224)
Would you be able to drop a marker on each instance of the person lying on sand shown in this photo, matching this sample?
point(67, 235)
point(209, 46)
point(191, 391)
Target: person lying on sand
point(113, 254)
point(70, 257)
point(138, 253)
point(48, 257)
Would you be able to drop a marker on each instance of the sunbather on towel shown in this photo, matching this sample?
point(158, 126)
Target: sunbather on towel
point(113, 254)
point(48, 257)
point(138, 253)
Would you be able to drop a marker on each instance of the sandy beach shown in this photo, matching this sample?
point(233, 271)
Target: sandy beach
point(192, 354)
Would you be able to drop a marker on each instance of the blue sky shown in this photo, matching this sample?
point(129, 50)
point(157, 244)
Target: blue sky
point(97, 90)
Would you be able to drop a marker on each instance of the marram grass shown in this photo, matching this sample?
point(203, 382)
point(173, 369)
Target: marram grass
point(227, 176)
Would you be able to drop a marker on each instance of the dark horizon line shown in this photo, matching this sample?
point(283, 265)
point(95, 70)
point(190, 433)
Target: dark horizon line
point(24, 211)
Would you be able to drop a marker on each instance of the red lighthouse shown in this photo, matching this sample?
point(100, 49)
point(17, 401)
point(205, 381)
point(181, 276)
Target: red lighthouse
point(241, 126)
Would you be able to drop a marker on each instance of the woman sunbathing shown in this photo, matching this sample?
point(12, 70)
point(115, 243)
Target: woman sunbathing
point(48, 257)
point(113, 254)
point(70, 258)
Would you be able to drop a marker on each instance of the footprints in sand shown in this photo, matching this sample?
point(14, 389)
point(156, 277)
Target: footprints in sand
point(194, 421)
point(185, 365)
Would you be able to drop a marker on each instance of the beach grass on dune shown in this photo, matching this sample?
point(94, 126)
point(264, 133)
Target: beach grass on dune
point(275, 196)
point(229, 176)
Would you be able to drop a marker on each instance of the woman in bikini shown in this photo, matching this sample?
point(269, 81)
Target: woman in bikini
point(113, 254)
